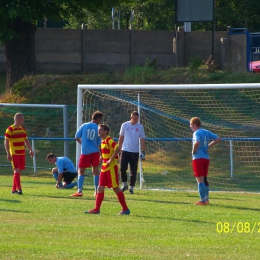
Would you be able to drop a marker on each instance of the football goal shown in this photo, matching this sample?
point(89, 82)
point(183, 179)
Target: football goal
point(230, 110)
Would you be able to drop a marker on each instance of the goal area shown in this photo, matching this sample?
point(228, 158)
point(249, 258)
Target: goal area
point(232, 111)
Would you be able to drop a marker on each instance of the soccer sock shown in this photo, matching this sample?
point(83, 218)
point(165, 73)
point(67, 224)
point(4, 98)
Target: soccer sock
point(125, 183)
point(80, 182)
point(55, 176)
point(14, 184)
point(206, 189)
point(99, 199)
point(121, 199)
point(18, 180)
point(201, 188)
point(71, 185)
point(131, 188)
point(96, 180)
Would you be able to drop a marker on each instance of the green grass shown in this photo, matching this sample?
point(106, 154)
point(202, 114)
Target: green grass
point(45, 223)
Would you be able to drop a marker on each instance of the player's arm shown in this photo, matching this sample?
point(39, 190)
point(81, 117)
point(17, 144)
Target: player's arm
point(115, 153)
point(78, 140)
point(7, 148)
point(214, 142)
point(60, 175)
point(27, 142)
point(120, 141)
point(195, 147)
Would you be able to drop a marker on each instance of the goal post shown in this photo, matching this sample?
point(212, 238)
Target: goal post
point(230, 110)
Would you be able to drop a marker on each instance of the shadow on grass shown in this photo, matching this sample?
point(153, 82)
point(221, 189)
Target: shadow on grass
point(13, 201)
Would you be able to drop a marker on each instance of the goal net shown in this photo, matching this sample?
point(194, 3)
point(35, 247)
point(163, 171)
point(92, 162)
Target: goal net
point(231, 111)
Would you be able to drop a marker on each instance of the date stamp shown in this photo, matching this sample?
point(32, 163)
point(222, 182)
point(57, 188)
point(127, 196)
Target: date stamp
point(238, 227)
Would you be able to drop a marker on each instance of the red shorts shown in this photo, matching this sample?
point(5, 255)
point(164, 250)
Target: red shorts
point(18, 161)
point(109, 178)
point(89, 160)
point(200, 167)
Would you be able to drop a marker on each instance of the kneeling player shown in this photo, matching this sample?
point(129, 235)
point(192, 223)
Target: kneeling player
point(65, 171)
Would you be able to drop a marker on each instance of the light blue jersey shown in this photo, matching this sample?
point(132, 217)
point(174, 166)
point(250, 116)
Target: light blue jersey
point(90, 141)
point(204, 137)
point(65, 164)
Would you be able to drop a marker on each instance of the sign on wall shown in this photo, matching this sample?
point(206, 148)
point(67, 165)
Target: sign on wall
point(194, 10)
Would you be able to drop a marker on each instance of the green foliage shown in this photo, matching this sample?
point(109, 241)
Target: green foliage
point(195, 63)
point(162, 224)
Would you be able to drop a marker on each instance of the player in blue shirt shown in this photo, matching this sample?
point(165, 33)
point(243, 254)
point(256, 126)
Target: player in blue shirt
point(87, 136)
point(202, 140)
point(64, 169)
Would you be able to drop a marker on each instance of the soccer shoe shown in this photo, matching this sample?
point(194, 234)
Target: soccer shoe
point(92, 211)
point(124, 188)
point(201, 203)
point(77, 194)
point(14, 191)
point(131, 191)
point(20, 192)
point(124, 212)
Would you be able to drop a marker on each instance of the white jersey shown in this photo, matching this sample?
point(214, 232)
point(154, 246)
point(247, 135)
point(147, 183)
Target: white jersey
point(131, 134)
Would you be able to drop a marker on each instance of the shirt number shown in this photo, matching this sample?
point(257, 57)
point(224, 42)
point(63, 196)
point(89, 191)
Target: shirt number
point(90, 134)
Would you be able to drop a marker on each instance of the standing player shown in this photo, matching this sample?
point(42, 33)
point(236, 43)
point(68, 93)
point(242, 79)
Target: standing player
point(200, 157)
point(65, 170)
point(15, 139)
point(109, 172)
point(130, 133)
point(87, 136)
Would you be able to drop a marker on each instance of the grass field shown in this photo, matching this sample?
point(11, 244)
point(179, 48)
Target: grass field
point(46, 223)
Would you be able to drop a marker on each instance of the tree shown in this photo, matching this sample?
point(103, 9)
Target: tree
point(18, 19)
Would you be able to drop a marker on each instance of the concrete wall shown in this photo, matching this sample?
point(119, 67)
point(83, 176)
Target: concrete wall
point(83, 50)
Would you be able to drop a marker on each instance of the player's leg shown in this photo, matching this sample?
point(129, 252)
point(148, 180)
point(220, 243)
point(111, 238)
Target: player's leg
point(199, 175)
point(133, 171)
point(55, 173)
point(95, 163)
point(103, 180)
point(68, 178)
point(14, 188)
point(206, 169)
point(124, 160)
point(114, 183)
point(18, 162)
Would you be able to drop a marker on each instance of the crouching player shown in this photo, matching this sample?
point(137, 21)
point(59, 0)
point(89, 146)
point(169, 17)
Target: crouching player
point(200, 157)
point(109, 171)
point(65, 171)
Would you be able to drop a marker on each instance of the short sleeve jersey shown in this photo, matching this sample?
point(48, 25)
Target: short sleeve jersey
point(108, 146)
point(204, 137)
point(65, 164)
point(132, 134)
point(16, 137)
point(90, 141)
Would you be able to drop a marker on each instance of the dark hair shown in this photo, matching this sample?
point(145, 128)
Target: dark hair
point(105, 127)
point(97, 115)
point(50, 155)
point(135, 113)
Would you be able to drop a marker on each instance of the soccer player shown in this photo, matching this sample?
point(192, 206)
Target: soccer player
point(15, 141)
point(65, 170)
point(202, 140)
point(109, 171)
point(130, 133)
point(87, 136)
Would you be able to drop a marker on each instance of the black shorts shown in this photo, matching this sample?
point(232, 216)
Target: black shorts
point(68, 177)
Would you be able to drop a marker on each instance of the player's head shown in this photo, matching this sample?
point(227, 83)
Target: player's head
point(195, 123)
point(97, 117)
point(19, 119)
point(134, 117)
point(103, 130)
point(51, 158)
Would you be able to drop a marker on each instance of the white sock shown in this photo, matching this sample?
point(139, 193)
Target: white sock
point(125, 183)
point(131, 187)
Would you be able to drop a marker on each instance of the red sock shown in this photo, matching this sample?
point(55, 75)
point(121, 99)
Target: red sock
point(14, 184)
point(17, 180)
point(121, 199)
point(99, 199)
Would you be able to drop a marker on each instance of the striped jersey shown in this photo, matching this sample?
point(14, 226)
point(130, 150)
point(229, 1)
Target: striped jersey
point(16, 137)
point(108, 146)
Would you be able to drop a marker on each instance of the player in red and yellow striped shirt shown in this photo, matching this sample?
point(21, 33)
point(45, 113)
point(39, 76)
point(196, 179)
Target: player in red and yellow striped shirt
point(15, 138)
point(109, 171)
